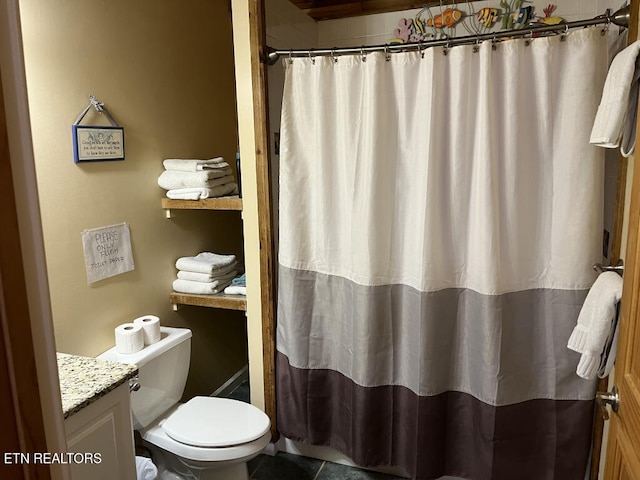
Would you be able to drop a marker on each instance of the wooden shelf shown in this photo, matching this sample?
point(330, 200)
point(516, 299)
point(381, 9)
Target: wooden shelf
point(220, 300)
point(220, 203)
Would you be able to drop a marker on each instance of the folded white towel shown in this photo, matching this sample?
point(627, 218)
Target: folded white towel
point(236, 290)
point(224, 273)
point(199, 288)
point(189, 165)
point(172, 179)
point(595, 322)
point(205, 262)
point(198, 193)
point(616, 105)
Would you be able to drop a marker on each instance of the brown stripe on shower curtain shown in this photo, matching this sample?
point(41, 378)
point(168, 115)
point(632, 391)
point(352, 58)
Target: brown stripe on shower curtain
point(456, 434)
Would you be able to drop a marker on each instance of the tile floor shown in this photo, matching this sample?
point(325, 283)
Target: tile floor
point(286, 466)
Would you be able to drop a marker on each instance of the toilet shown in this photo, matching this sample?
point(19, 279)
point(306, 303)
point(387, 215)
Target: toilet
point(206, 438)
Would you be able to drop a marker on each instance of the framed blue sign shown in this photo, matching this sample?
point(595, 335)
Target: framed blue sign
point(97, 144)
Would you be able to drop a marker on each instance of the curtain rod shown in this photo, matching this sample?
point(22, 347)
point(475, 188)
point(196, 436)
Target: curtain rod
point(619, 18)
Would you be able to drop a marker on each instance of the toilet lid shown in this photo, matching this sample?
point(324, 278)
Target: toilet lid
point(216, 422)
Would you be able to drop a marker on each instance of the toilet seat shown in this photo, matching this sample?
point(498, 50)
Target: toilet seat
point(157, 435)
point(213, 422)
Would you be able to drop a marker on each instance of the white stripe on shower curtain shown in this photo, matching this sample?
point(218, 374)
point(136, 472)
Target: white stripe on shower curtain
point(439, 218)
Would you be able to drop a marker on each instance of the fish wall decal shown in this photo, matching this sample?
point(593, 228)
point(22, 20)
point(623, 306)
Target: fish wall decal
point(448, 18)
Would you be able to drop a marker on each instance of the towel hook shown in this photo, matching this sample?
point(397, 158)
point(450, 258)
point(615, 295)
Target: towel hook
point(618, 268)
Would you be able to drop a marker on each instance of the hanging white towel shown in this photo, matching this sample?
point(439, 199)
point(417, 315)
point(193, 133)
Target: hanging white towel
point(205, 262)
point(610, 350)
point(190, 165)
point(199, 193)
point(595, 322)
point(172, 179)
point(615, 119)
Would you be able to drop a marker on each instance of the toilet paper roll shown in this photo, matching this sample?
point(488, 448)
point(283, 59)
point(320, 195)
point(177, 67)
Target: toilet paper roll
point(129, 338)
point(150, 328)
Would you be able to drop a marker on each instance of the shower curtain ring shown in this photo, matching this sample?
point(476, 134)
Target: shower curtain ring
point(312, 57)
point(333, 55)
point(364, 55)
point(527, 42)
point(563, 35)
point(476, 45)
point(387, 56)
point(290, 57)
point(420, 49)
point(447, 46)
point(494, 43)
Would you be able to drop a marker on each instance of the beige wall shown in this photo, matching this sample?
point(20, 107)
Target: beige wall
point(166, 74)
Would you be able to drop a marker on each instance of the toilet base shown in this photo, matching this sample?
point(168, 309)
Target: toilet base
point(236, 471)
point(172, 467)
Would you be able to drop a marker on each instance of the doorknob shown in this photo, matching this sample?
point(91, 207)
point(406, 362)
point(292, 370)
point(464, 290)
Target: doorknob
point(608, 398)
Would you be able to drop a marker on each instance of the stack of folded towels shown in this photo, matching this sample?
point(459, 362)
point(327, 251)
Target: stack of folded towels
point(195, 179)
point(205, 274)
point(238, 286)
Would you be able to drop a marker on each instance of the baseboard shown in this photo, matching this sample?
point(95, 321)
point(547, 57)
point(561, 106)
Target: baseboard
point(271, 449)
point(230, 385)
point(329, 454)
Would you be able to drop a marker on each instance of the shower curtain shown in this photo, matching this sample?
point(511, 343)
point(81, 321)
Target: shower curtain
point(440, 213)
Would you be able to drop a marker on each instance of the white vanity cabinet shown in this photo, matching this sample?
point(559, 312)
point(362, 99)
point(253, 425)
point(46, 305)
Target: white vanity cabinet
point(100, 437)
point(97, 410)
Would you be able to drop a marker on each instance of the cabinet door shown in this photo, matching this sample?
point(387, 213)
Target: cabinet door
point(102, 432)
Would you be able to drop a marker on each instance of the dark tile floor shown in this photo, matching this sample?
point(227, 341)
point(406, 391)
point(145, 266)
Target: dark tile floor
point(286, 466)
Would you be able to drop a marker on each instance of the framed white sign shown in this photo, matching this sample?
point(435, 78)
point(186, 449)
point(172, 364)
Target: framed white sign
point(97, 144)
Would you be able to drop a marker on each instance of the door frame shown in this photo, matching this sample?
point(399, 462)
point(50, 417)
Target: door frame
point(249, 40)
point(622, 458)
point(28, 346)
point(616, 254)
point(618, 454)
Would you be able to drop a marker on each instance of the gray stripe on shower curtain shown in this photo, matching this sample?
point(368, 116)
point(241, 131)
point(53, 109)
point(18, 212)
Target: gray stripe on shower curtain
point(502, 349)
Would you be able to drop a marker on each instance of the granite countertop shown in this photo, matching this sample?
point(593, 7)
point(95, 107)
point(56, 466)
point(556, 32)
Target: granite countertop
point(83, 380)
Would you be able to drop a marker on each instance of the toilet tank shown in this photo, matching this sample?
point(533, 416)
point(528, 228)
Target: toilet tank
point(162, 374)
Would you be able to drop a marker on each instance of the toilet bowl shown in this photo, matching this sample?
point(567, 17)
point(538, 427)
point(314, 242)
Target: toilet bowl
point(206, 438)
point(212, 438)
